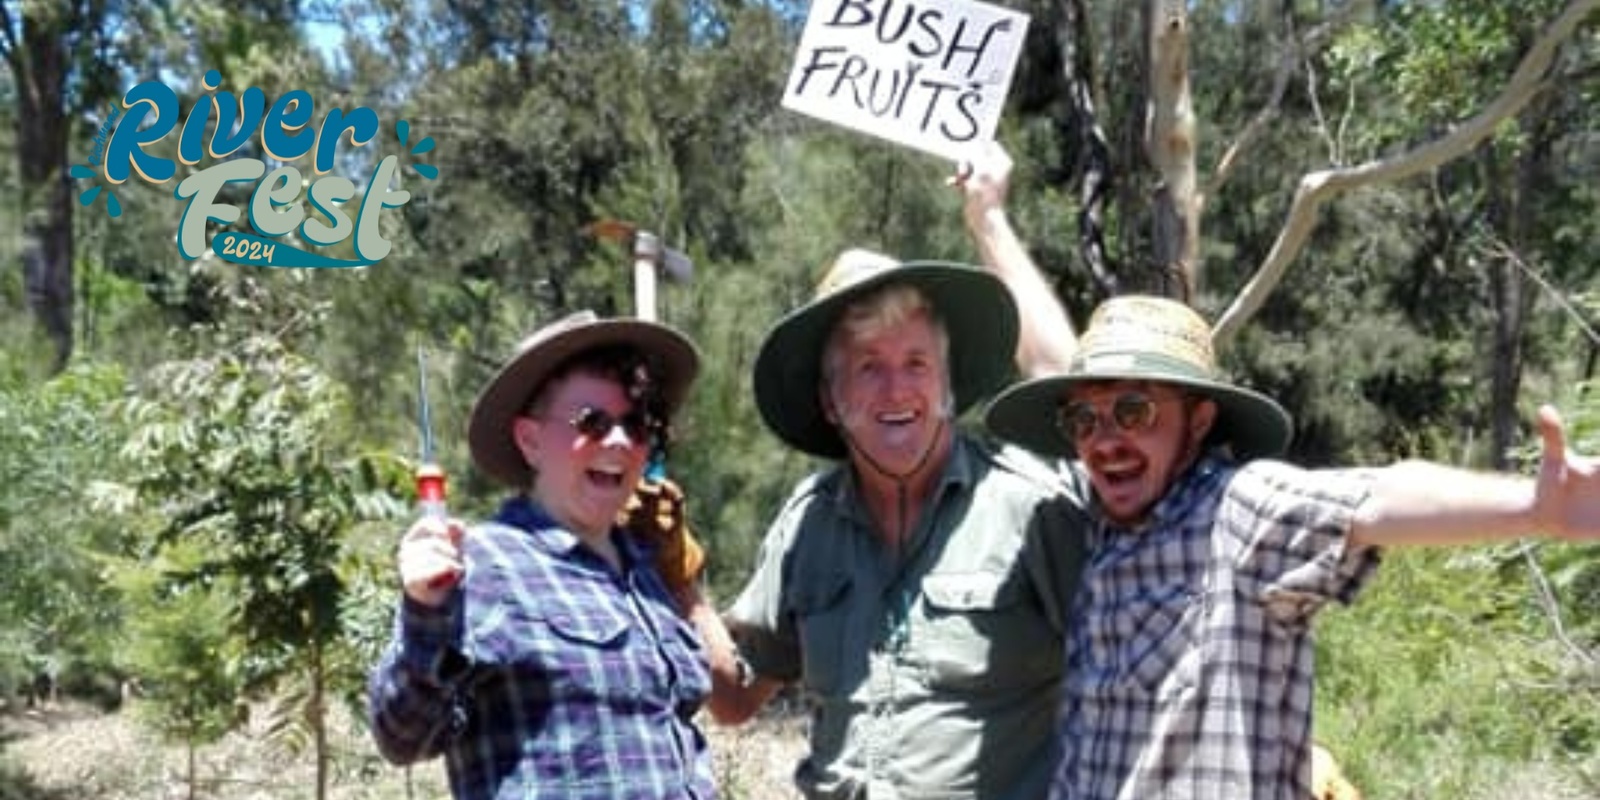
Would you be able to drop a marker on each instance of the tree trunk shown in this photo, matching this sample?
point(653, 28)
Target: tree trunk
point(1317, 187)
point(1511, 301)
point(1170, 144)
point(319, 717)
point(1507, 297)
point(192, 768)
point(40, 67)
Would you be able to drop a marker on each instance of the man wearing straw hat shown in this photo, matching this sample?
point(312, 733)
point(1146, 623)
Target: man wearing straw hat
point(915, 590)
point(1189, 654)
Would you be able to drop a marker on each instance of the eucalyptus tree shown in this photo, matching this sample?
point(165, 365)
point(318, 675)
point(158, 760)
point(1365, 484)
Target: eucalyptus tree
point(66, 62)
point(1199, 148)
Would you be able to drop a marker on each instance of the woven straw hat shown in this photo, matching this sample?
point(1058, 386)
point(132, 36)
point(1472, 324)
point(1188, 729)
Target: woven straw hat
point(978, 314)
point(1140, 338)
point(673, 360)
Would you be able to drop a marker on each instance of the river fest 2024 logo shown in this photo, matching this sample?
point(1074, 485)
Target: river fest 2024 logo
point(275, 209)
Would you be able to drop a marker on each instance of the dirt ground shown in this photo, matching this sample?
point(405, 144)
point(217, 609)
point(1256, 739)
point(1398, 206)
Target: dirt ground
point(76, 753)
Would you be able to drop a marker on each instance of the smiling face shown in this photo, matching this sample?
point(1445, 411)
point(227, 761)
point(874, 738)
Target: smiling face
point(582, 479)
point(886, 385)
point(1135, 438)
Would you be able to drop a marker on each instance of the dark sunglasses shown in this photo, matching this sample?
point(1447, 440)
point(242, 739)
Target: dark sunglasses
point(1131, 412)
point(597, 424)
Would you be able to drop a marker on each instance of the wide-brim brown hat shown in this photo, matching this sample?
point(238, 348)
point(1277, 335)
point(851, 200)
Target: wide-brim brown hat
point(979, 317)
point(672, 357)
point(1139, 338)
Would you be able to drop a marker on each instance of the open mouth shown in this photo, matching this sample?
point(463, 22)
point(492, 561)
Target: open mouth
point(897, 418)
point(605, 477)
point(1120, 472)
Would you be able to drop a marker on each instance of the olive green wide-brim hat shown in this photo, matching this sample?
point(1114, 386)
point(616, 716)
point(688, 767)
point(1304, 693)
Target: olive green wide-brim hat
point(672, 359)
point(1140, 338)
point(979, 317)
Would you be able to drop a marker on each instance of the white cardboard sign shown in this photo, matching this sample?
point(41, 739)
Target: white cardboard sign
point(928, 74)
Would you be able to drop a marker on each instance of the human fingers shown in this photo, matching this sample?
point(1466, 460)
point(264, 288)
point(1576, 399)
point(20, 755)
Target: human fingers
point(985, 179)
point(963, 171)
point(430, 560)
point(1553, 446)
point(640, 515)
point(989, 161)
point(1569, 484)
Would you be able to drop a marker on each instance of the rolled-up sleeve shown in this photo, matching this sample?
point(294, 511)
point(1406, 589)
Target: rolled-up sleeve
point(1289, 532)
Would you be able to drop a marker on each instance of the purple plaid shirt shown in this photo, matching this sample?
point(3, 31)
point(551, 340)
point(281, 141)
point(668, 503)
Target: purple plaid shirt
point(1189, 670)
point(548, 674)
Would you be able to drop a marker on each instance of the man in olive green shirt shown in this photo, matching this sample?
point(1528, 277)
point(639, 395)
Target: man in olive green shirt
point(915, 590)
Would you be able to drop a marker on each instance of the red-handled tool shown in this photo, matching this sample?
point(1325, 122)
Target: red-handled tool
point(430, 476)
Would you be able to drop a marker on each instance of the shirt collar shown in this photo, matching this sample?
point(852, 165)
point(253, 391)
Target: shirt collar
point(958, 473)
point(522, 513)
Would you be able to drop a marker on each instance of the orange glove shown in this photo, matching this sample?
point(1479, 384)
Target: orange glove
point(655, 515)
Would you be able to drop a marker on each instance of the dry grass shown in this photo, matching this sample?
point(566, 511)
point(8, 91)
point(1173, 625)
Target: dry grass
point(73, 753)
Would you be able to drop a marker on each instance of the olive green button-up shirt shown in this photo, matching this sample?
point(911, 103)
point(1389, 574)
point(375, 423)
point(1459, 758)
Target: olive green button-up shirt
point(932, 670)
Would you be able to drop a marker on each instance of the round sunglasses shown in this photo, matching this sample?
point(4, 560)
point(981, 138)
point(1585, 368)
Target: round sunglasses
point(598, 423)
point(1131, 413)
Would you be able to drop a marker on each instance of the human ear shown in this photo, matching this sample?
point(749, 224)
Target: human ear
point(825, 399)
point(524, 433)
point(1202, 415)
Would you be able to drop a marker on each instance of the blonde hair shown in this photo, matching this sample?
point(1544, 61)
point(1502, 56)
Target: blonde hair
point(871, 315)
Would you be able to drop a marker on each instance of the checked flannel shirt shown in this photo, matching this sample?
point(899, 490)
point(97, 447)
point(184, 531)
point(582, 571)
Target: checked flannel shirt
point(1189, 673)
point(548, 674)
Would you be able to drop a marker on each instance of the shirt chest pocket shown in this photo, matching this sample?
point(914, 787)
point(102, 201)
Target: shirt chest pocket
point(568, 648)
point(983, 629)
point(1150, 641)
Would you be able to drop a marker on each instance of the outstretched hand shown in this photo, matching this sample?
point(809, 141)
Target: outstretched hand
point(1567, 499)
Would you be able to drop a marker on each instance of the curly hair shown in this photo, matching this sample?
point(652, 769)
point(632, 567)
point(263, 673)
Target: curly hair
point(640, 376)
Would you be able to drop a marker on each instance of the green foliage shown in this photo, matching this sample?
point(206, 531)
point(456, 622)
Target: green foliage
point(245, 467)
point(1476, 663)
point(178, 643)
point(241, 450)
point(1447, 663)
point(56, 613)
point(259, 526)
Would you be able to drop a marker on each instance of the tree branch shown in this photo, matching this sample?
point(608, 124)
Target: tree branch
point(1552, 609)
point(1297, 48)
point(1317, 187)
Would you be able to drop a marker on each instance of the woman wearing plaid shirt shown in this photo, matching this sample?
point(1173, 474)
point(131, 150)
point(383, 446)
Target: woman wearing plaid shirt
point(541, 653)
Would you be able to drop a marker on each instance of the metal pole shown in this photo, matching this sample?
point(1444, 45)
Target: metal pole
point(646, 255)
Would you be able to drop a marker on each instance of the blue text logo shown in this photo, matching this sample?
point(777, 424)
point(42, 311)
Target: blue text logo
point(149, 115)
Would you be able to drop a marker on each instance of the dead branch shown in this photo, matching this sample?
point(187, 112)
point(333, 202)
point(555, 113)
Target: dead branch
point(1552, 609)
point(1317, 187)
point(1296, 47)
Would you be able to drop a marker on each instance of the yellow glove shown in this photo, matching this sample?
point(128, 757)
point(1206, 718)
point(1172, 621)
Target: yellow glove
point(655, 515)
